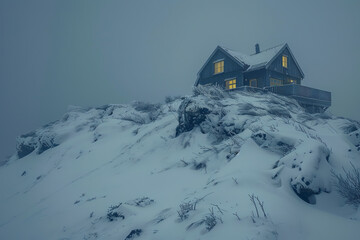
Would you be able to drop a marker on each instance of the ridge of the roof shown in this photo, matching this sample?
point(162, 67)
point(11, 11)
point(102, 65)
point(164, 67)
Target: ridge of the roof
point(256, 61)
point(282, 44)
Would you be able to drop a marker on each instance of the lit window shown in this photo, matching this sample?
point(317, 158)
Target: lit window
point(284, 61)
point(275, 82)
point(231, 84)
point(219, 67)
point(253, 83)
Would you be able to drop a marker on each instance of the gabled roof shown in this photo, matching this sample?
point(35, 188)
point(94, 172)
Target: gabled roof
point(258, 60)
point(262, 59)
point(218, 48)
point(226, 53)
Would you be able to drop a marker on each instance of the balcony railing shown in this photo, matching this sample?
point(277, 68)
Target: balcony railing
point(303, 94)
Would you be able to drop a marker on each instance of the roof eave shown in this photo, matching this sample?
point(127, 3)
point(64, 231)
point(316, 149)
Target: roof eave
point(243, 65)
point(255, 69)
point(292, 55)
point(297, 64)
point(212, 54)
point(197, 80)
point(207, 61)
point(275, 56)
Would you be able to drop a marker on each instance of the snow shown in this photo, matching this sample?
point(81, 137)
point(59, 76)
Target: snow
point(256, 60)
point(246, 143)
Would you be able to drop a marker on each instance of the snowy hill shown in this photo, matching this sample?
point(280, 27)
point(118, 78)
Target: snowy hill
point(183, 170)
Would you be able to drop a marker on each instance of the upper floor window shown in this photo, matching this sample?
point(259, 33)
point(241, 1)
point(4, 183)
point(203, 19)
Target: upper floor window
point(219, 67)
point(231, 83)
point(284, 61)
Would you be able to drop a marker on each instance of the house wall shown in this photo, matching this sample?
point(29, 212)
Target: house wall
point(282, 76)
point(276, 70)
point(260, 75)
point(231, 70)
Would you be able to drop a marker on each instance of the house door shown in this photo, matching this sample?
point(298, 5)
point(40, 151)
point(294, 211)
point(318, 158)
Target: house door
point(253, 83)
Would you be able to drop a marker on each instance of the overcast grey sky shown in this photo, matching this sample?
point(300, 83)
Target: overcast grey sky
point(89, 53)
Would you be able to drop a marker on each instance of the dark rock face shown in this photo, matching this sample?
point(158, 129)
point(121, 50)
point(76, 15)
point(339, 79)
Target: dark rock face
point(28, 143)
point(190, 115)
point(133, 234)
point(45, 143)
point(24, 149)
point(306, 194)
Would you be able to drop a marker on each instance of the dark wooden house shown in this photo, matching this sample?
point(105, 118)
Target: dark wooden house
point(274, 69)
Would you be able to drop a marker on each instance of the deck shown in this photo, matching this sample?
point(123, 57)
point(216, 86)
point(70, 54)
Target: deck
point(312, 99)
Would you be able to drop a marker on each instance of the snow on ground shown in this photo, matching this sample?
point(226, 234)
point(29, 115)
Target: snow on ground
point(122, 172)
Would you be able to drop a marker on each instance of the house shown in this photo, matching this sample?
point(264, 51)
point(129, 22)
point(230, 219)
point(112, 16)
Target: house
point(274, 69)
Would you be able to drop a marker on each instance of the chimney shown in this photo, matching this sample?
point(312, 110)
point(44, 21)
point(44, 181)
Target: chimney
point(257, 48)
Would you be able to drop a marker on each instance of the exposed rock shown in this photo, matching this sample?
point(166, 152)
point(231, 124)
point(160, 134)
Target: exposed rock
point(141, 202)
point(191, 115)
point(133, 234)
point(273, 142)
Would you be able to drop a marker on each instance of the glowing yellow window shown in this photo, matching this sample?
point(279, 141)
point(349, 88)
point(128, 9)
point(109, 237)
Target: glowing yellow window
point(284, 61)
point(218, 67)
point(231, 84)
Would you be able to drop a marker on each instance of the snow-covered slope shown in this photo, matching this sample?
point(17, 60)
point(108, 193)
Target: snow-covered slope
point(122, 172)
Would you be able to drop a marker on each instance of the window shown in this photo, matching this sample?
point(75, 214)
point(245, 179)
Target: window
point(231, 84)
point(253, 83)
point(289, 81)
point(275, 82)
point(284, 61)
point(292, 81)
point(219, 67)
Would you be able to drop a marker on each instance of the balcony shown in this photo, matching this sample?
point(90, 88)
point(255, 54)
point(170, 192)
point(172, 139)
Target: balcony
point(306, 96)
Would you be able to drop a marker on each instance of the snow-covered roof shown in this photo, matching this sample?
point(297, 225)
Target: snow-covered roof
point(256, 61)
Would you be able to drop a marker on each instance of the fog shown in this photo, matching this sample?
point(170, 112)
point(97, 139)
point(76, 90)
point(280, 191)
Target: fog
point(59, 53)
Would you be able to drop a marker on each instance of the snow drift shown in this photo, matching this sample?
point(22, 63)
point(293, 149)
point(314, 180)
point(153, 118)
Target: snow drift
point(183, 170)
